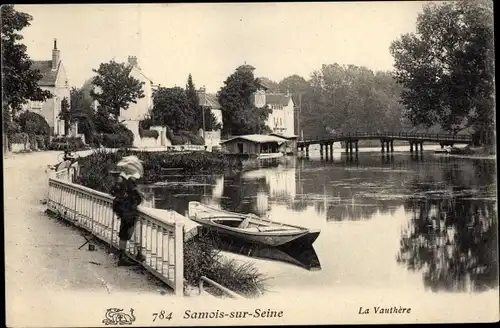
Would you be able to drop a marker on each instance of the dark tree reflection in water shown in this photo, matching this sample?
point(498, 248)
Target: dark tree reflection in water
point(452, 237)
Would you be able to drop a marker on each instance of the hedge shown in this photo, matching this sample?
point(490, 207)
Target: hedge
point(63, 142)
point(35, 141)
point(145, 133)
point(31, 122)
point(184, 137)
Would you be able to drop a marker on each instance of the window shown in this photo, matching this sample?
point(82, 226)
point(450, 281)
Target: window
point(36, 105)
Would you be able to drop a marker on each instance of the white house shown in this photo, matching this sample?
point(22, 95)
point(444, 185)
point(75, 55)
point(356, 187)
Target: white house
point(55, 80)
point(281, 119)
point(137, 111)
point(209, 101)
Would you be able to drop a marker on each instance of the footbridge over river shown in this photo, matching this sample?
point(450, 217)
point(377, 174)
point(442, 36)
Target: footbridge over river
point(386, 140)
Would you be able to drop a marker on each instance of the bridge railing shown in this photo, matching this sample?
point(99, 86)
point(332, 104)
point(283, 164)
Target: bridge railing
point(158, 239)
point(408, 135)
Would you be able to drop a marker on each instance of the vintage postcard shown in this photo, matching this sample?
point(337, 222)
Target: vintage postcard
point(245, 164)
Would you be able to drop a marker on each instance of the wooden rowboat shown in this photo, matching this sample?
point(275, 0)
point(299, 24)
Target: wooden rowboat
point(249, 227)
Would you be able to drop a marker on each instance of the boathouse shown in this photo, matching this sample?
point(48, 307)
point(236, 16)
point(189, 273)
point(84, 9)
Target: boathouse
point(289, 147)
point(253, 145)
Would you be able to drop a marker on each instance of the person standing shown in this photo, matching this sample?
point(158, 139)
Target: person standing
point(126, 202)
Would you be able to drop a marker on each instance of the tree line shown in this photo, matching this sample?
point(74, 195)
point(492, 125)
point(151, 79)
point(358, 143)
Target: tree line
point(443, 76)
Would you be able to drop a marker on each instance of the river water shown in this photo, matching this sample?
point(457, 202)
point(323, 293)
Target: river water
point(423, 222)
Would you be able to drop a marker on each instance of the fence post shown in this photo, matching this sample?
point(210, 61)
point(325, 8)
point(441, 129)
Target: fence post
point(179, 258)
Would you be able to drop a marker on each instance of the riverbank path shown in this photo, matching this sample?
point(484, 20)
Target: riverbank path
point(41, 253)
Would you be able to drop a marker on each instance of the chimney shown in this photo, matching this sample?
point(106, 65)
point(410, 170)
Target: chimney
point(132, 60)
point(55, 56)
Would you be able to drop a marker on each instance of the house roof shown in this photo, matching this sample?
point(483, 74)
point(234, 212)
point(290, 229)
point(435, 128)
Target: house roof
point(287, 137)
point(142, 73)
point(209, 100)
point(277, 99)
point(257, 138)
point(49, 76)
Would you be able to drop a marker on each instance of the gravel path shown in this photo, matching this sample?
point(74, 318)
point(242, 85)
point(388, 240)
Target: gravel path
point(41, 253)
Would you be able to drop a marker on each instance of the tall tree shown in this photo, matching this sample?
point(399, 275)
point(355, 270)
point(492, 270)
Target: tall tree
point(273, 86)
point(349, 99)
point(239, 114)
point(116, 88)
point(66, 115)
point(447, 67)
point(193, 109)
point(170, 108)
point(19, 81)
point(83, 112)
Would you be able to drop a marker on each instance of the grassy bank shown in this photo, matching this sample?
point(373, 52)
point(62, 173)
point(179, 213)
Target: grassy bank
point(201, 258)
point(484, 151)
point(95, 168)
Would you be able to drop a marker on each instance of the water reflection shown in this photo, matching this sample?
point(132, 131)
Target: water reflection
point(440, 212)
point(452, 236)
point(304, 257)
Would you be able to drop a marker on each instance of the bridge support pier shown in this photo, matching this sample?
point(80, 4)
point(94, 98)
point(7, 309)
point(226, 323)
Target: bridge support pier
point(321, 150)
point(421, 147)
point(382, 142)
point(307, 151)
point(392, 146)
point(331, 150)
point(411, 147)
point(351, 146)
point(356, 146)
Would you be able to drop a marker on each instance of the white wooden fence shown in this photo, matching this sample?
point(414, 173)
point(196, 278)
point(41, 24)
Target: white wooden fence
point(158, 239)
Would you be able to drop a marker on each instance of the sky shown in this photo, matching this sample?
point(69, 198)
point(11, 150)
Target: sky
point(211, 40)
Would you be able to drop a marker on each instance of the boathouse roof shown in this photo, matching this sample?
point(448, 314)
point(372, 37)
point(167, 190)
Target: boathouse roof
point(257, 138)
point(288, 137)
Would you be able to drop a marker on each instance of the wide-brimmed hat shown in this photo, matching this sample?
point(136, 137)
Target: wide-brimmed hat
point(130, 166)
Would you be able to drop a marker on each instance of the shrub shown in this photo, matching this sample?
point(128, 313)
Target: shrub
point(146, 123)
point(119, 138)
point(101, 162)
point(32, 140)
point(63, 142)
point(31, 122)
point(193, 138)
point(95, 168)
point(116, 140)
point(202, 258)
point(184, 137)
point(18, 138)
point(42, 141)
point(143, 133)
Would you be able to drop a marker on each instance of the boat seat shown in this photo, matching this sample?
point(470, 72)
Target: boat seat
point(244, 224)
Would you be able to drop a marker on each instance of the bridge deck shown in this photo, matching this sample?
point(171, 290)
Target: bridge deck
point(421, 137)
